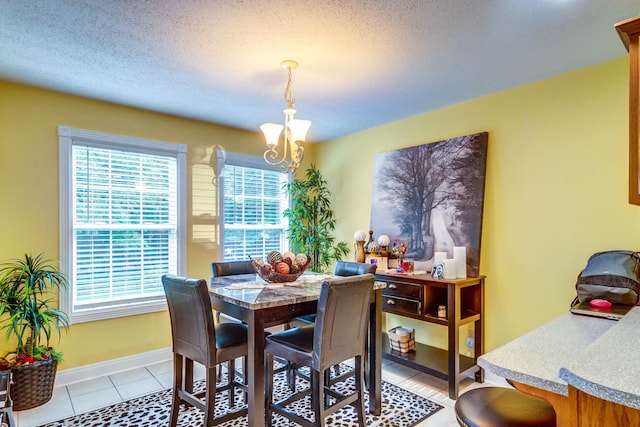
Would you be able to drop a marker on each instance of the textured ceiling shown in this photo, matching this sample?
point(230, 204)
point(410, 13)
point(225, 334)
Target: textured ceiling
point(363, 63)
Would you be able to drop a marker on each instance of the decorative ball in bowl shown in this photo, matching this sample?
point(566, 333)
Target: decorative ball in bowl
point(280, 268)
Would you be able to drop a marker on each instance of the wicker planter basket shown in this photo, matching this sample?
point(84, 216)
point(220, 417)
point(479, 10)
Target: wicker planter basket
point(33, 384)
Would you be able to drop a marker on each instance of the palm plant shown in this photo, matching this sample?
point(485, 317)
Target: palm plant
point(311, 221)
point(30, 316)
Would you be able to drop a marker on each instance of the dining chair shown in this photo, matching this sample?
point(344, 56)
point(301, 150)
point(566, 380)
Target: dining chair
point(344, 269)
point(197, 339)
point(339, 334)
point(231, 268)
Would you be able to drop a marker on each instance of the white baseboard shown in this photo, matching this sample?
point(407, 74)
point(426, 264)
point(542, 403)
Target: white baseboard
point(109, 367)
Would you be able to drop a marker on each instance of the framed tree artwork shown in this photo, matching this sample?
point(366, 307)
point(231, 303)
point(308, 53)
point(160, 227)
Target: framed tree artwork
point(431, 196)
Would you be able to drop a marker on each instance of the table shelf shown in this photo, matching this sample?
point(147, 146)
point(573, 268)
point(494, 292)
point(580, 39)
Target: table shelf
point(425, 358)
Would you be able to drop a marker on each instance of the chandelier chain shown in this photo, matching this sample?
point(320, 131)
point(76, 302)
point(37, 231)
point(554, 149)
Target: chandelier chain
point(288, 96)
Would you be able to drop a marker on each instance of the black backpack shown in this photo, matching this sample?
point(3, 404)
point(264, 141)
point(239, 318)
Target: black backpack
point(610, 275)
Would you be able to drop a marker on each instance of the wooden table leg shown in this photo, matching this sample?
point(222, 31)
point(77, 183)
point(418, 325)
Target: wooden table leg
point(375, 354)
point(255, 368)
point(479, 335)
point(453, 314)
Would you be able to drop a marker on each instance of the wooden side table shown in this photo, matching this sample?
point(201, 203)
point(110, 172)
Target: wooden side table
point(418, 297)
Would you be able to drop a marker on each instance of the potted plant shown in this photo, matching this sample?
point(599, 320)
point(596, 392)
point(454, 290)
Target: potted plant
point(29, 318)
point(311, 221)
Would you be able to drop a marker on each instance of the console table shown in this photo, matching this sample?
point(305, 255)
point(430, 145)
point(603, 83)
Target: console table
point(418, 297)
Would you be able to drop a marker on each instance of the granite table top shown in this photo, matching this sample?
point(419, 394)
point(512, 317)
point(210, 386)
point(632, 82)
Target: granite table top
point(252, 292)
point(594, 355)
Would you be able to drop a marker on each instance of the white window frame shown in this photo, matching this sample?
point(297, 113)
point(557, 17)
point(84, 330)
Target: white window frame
point(67, 137)
point(247, 161)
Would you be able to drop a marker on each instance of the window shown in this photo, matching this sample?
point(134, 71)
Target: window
point(122, 225)
point(252, 200)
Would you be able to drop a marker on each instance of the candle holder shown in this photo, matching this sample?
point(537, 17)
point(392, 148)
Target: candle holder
point(360, 237)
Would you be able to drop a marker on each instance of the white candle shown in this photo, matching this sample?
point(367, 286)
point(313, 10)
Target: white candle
point(449, 269)
point(460, 255)
point(439, 256)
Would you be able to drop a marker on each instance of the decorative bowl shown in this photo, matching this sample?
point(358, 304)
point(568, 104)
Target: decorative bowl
point(273, 276)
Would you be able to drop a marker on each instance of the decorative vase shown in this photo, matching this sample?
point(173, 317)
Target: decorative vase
point(359, 247)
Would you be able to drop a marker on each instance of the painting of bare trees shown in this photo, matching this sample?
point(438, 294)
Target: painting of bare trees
point(431, 197)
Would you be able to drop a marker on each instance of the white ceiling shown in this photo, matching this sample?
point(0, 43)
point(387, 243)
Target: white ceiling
point(363, 63)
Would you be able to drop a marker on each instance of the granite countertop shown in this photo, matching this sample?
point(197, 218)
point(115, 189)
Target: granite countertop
point(593, 355)
point(535, 359)
point(608, 368)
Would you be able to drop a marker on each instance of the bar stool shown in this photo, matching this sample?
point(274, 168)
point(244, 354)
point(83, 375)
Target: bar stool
point(503, 407)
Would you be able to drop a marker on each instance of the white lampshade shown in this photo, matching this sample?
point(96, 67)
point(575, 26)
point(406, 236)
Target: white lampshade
point(271, 133)
point(360, 236)
point(299, 129)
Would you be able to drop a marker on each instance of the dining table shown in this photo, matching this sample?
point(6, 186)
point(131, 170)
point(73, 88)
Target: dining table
point(261, 305)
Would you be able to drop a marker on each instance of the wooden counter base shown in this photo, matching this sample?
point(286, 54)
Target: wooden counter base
point(581, 409)
point(595, 412)
point(559, 402)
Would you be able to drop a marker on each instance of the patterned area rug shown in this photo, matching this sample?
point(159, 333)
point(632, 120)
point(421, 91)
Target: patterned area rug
point(400, 408)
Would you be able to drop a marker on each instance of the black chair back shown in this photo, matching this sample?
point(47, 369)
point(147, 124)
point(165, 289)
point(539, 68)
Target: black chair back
point(345, 268)
point(341, 321)
point(231, 268)
point(192, 327)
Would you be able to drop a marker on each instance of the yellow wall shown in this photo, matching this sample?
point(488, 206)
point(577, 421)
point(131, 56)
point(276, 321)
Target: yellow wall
point(29, 208)
point(556, 188)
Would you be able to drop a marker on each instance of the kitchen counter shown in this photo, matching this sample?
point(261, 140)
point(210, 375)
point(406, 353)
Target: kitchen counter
point(535, 359)
point(609, 367)
point(576, 357)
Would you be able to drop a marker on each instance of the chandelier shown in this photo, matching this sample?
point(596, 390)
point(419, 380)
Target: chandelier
point(295, 132)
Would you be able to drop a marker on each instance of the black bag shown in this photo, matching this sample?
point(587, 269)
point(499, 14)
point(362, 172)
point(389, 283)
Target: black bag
point(610, 275)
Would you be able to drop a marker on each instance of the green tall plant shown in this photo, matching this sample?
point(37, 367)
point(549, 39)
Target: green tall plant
point(312, 221)
point(26, 313)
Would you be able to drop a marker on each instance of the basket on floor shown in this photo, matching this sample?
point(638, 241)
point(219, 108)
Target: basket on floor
point(33, 384)
point(402, 342)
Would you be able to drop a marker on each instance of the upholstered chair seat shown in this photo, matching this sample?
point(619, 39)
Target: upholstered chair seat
point(503, 407)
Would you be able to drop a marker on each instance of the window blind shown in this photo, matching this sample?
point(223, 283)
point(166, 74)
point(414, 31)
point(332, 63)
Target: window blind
point(253, 204)
point(125, 225)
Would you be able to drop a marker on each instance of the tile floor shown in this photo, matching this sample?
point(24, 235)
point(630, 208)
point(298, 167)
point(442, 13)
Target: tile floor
point(104, 391)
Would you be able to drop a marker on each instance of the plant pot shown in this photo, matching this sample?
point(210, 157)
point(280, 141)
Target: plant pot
point(33, 384)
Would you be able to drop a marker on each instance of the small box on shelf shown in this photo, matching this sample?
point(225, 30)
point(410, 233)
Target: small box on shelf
point(402, 339)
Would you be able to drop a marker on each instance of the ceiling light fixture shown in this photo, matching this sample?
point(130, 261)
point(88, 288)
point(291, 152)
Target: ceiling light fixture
point(295, 131)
